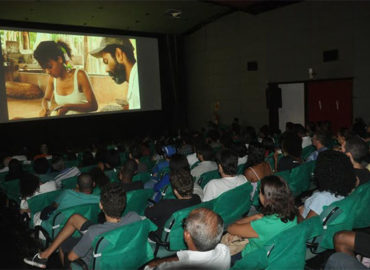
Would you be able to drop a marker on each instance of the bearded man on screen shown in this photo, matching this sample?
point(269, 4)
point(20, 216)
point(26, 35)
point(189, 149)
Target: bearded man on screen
point(118, 56)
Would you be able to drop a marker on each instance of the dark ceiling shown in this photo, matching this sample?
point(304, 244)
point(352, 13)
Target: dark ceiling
point(175, 17)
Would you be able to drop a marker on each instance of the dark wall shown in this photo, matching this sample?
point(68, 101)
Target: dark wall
point(82, 130)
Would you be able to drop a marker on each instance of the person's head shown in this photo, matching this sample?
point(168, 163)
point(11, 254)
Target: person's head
point(268, 145)
point(292, 145)
point(289, 127)
point(276, 198)
point(204, 152)
point(53, 56)
point(28, 184)
point(203, 229)
point(320, 139)
point(44, 148)
point(227, 162)
point(256, 154)
point(178, 162)
point(98, 177)
point(300, 130)
point(117, 55)
point(57, 163)
point(113, 200)
point(128, 170)
point(41, 165)
point(182, 183)
point(87, 159)
point(334, 173)
point(342, 135)
point(355, 148)
point(239, 148)
point(112, 158)
point(85, 183)
point(135, 152)
point(15, 167)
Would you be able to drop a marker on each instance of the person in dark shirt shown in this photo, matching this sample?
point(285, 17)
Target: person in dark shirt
point(182, 186)
point(357, 150)
point(126, 174)
point(292, 149)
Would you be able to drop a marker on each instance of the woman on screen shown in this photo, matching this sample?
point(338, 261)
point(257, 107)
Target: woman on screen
point(70, 87)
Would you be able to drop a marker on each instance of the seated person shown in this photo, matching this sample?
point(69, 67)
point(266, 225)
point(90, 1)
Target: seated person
point(278, 214)
point(291, 147)
point(227, 166)
point(256, 167)
point(42, 169)
point(61, 171)
point(87, 159)
point(126, 174)
point(112, 203)
point(182, 186)
point(15, 170)
point(357, 150)
point(240, 149)
point(108, 159)
point(168, 152)
point(99, 178)
point(320, 140)
point(30, 186)
point(43, 152)
point(347, 244)
point(206, 164)
point(202, 234)
point(335, 178)
point(136, 154)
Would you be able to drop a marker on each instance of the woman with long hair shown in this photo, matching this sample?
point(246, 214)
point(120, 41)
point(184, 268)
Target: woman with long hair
point(69, 86)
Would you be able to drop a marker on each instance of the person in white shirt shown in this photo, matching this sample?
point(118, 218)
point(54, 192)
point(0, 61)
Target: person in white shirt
point(118, 55)
point(205, 156)
point(228, 166)
point(203, 230)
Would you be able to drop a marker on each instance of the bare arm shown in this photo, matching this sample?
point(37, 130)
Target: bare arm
point(91, 105)
point(157, 262)
point(47, 98)
point(310, 214)
point(242, 230)
point(72, 256)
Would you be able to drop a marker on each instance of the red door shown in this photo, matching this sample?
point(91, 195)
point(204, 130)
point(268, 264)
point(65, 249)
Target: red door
point(330, 101)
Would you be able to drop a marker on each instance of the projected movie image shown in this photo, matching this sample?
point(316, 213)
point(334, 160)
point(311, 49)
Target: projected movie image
point(55, 74)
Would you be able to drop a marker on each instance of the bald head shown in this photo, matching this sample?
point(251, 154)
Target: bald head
point(205, 228)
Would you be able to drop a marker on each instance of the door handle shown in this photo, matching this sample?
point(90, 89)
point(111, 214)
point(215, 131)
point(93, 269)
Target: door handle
point(320, 105)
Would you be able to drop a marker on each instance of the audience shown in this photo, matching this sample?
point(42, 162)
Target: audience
point(320, 140)
point(112, 203)
point(126, 174)
point(15, 170)
point(228, 165)
point(335, 178)
point(206, 164)
point(291, 147)
point(202, 234)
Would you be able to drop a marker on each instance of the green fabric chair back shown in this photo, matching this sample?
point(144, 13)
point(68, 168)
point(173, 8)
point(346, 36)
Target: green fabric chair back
point(167, 192)
point(126, 247)
point(69, 183)
point(287, 250)
point(2, 176)
point(86, 169)
point(59, 218)
point(39, 202)
point(112, 175)
point(270, 159)
point(299, 178)
point(307, 151)
point(174, 231)
point(96, 191)
point(71, 163)
point(137, 200)
point(238, 203)
point(147, 160)
point(241, 168)
point(208, 176)
point(353, 213)
point(143, 177)
point(11, 189)
point(123, 157)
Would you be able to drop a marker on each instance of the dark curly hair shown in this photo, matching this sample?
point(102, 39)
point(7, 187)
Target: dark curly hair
point(113, 199)
point(334, 173)
point(278, 198)
point(51, 50)
point(256, 154)
point(28, 184)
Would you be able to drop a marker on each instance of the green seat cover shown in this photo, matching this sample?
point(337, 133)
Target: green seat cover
point(241, 168)
point(233, 204)
point(69, 183)
point(11, 190)
point(286, 250)
point(143, 177)
point(307, 151)
point(86, 169)
point(39, 202)
point(208, 176)
point(137, 200)
point(126, 247)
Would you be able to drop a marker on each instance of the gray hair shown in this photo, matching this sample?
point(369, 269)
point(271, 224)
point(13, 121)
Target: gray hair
point(205, 228)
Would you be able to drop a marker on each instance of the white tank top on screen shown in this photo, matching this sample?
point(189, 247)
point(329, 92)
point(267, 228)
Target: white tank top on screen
point(76, 97)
